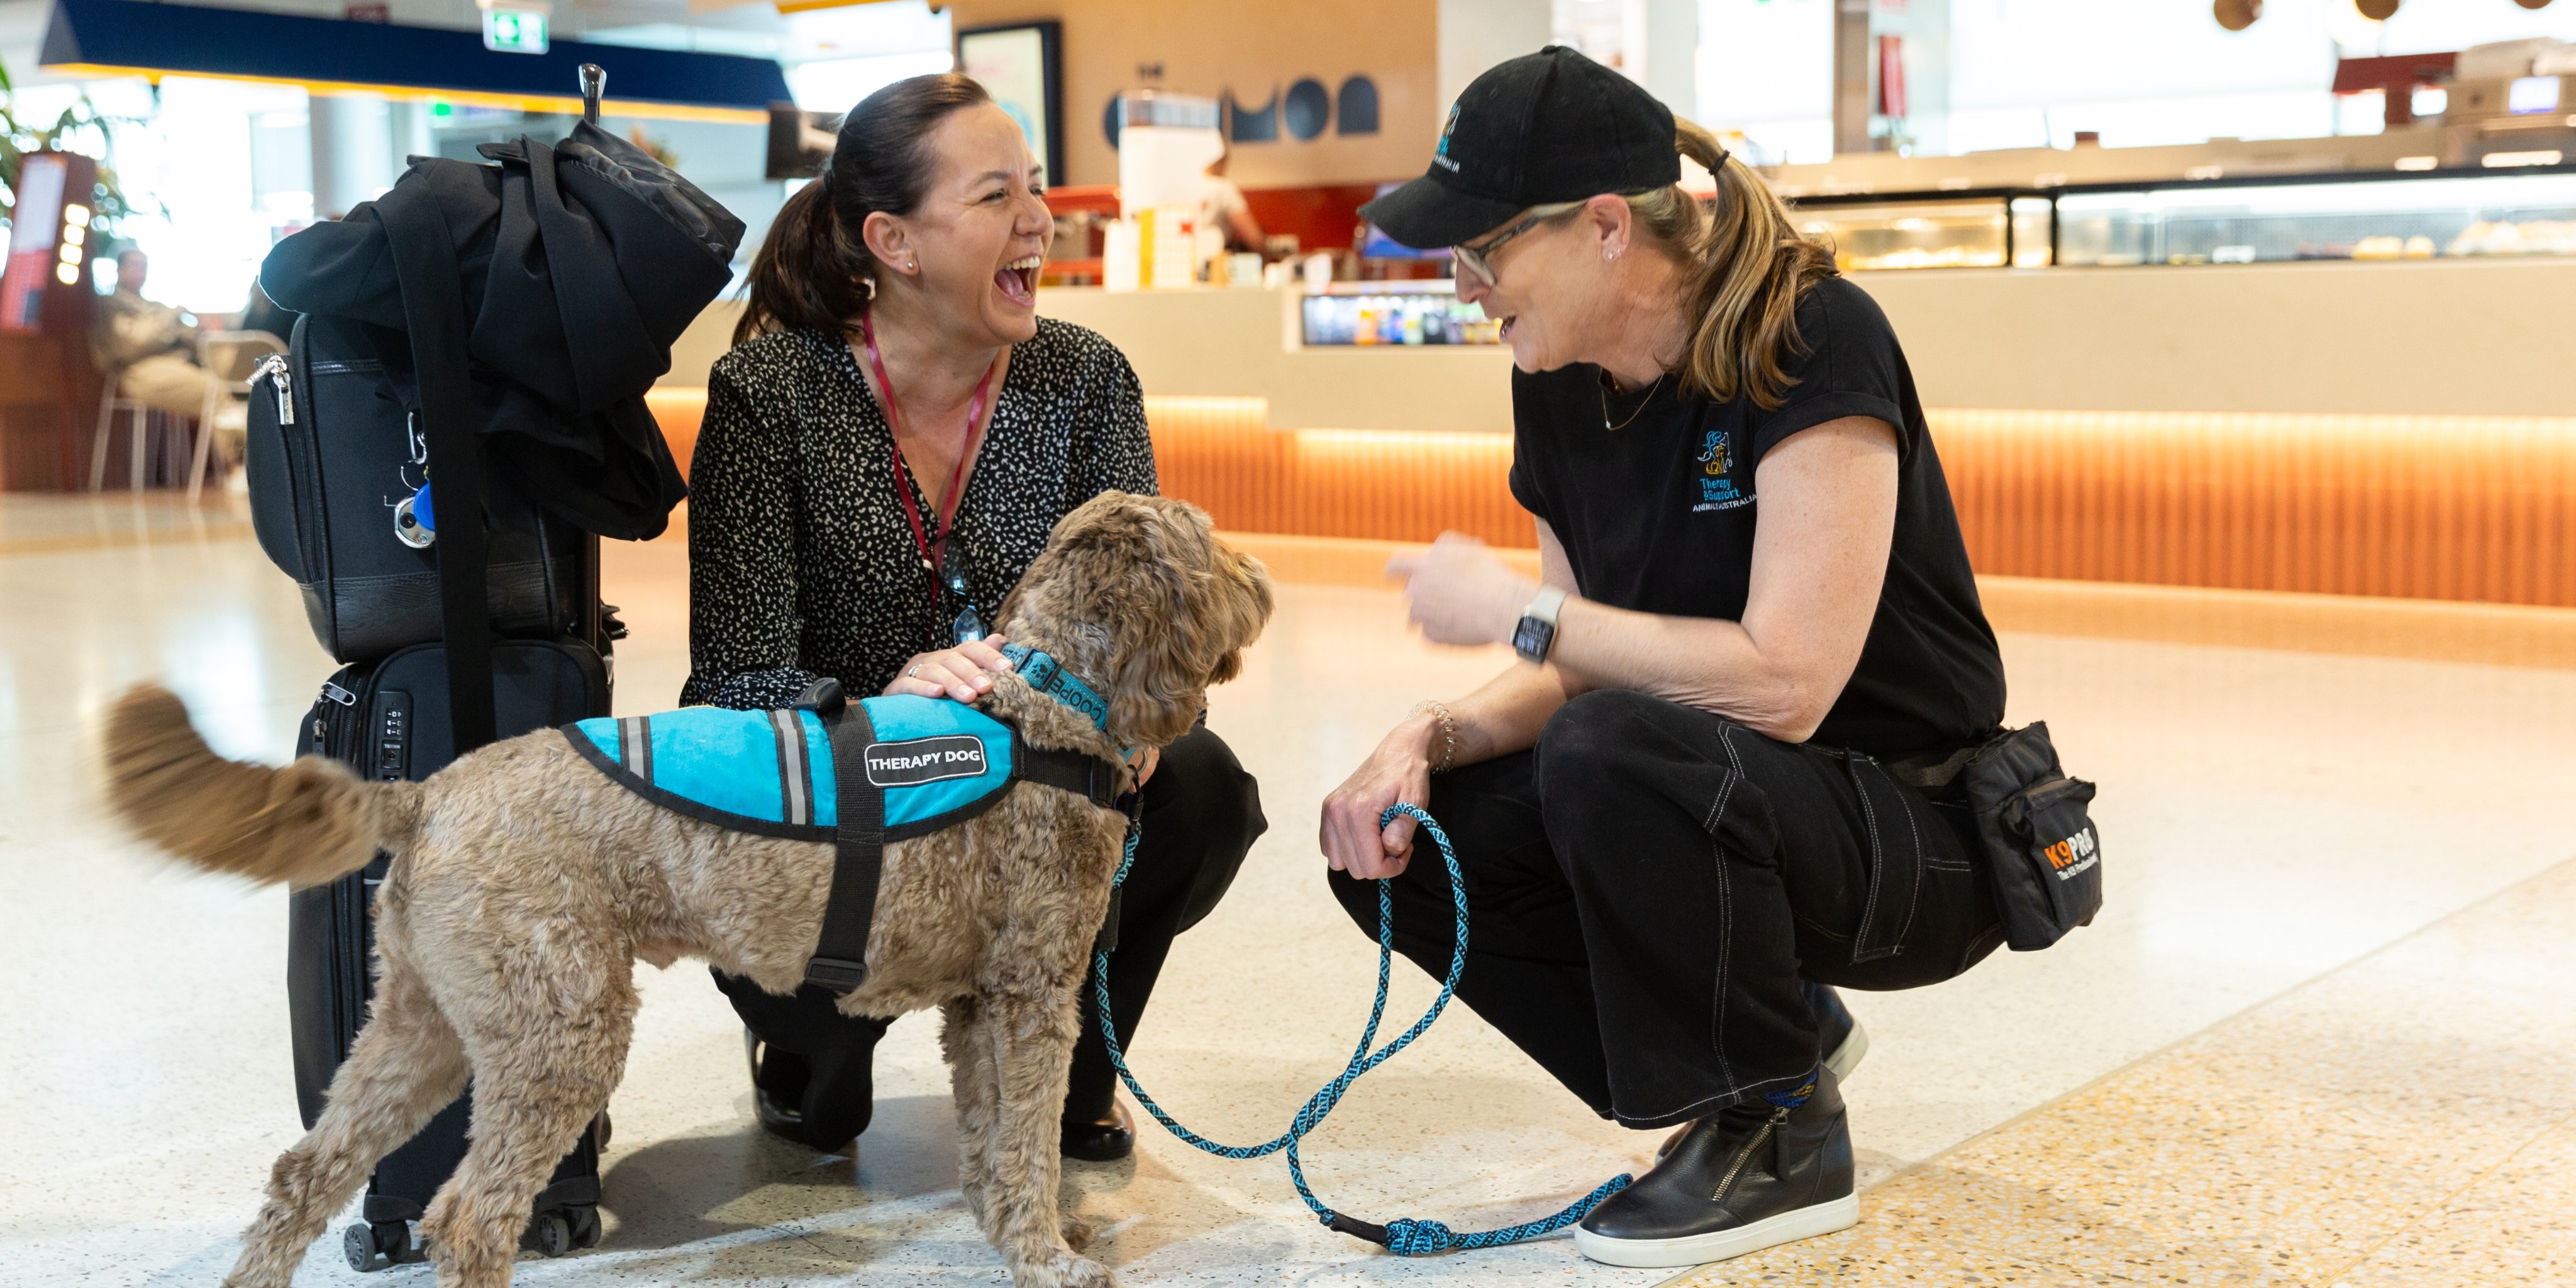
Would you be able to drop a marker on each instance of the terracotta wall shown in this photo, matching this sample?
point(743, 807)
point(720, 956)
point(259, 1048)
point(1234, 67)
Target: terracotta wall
point(1256, 51)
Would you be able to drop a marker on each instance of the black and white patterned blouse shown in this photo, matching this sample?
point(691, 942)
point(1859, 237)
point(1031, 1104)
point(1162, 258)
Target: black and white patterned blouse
point(801, 560)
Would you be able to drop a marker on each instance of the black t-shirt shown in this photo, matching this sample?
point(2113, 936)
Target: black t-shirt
point(1658, 516)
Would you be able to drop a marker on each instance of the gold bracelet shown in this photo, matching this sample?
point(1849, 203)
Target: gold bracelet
point(1448, 734)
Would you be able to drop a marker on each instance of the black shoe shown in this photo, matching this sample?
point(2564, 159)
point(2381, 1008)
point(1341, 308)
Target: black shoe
point(1102, 1142)
point(777, 1087)
point(1838, 1031)
point(1742, 1179)
point(782, 1086)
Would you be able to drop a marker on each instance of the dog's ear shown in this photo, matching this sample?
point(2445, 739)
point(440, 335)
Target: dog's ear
point(1244, 591)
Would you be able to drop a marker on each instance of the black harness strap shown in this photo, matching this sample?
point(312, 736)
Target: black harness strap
point(1078, 772)
point(841, 954)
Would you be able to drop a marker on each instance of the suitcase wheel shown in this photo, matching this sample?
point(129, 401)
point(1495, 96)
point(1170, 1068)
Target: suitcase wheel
point(549, 1235)
point(558, 1231)
point(378, 1245)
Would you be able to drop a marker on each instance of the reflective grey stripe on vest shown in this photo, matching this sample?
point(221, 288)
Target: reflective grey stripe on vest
point(795, 795)
point(635, 746)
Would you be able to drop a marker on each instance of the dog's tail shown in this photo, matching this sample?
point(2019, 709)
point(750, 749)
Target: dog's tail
point(304, 824)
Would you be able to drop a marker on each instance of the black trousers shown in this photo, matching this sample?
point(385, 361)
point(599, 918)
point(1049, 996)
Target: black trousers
point(1202, 813)
point(1647, 886)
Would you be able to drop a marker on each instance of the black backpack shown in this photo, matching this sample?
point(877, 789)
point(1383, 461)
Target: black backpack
point(333, 451)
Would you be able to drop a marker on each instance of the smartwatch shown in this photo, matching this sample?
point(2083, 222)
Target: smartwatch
point(1536, 633)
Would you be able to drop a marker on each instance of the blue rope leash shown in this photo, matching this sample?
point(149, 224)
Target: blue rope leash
point(1406, 1237)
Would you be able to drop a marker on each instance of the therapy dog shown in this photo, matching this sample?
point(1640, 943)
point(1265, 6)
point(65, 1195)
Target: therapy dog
point(525, 881)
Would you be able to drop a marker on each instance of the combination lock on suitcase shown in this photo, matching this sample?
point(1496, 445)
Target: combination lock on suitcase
point(389, 720)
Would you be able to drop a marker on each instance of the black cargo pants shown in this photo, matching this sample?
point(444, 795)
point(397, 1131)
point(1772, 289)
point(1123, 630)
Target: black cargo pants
point(1648, 885)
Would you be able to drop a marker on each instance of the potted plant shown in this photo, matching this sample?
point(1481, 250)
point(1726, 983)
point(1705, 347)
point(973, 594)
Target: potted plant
point(81, 122)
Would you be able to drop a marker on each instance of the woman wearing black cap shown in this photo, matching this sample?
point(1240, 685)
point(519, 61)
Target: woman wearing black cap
point(1720, 781)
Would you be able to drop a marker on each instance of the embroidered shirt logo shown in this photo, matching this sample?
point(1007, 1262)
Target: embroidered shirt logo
point(1717, 489)
point(924, 760)
point(1440, 156)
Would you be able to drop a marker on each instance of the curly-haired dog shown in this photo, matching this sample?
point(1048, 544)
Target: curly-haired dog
point(524, 883)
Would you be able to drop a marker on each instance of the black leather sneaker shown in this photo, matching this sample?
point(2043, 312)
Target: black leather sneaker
point(1104, 1141)
point(785, 1087)
point(1745, 1178)
point(1843, 1039)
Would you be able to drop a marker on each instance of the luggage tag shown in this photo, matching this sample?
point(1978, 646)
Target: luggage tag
point(415, 524)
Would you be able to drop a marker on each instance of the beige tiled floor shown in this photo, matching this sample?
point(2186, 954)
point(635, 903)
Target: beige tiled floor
point(2308, 1036)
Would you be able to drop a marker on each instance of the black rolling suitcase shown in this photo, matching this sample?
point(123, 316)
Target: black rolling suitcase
point(488, 623)
point(389, 720)
point(343, 426)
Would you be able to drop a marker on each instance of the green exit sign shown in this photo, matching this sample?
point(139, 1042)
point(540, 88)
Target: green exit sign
point(514, 31)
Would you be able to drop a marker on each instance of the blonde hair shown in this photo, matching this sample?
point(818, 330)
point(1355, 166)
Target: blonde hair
point(1747, 266)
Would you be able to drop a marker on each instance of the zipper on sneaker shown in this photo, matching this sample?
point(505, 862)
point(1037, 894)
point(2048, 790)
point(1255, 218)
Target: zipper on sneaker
point(1745, 1155)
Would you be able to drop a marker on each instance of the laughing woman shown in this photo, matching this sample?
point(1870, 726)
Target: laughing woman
point(885, 450)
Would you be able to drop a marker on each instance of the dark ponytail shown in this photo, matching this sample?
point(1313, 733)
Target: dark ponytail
point(813, 270)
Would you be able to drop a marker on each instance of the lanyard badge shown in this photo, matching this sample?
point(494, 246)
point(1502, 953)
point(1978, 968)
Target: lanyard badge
point(943, 557)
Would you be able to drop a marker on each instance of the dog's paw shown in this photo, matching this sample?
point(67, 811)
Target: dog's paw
point(1063, 1272)
point(1077, 1232)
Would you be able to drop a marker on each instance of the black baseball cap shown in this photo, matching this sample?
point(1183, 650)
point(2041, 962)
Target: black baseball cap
point(1543, 128)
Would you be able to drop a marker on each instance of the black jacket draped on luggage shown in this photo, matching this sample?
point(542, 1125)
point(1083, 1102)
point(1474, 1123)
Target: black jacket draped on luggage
point(582, 263)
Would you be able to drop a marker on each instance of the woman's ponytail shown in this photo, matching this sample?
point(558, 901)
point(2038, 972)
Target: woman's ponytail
point(814, 272)
point(808, 275)
point(1747, 267)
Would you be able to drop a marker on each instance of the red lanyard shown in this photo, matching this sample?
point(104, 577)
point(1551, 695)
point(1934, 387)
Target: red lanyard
point(930, 543)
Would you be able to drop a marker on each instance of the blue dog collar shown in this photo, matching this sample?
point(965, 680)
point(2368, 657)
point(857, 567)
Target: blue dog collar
point(1048, 676)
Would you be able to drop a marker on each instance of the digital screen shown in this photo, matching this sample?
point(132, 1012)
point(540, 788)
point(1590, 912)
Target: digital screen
point(2532, 94)
point(1011, 65)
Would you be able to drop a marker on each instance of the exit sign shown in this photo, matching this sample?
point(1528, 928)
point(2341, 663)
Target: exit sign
point(514, 31)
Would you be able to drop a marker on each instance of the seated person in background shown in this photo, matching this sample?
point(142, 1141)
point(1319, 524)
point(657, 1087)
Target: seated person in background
point(148, 349)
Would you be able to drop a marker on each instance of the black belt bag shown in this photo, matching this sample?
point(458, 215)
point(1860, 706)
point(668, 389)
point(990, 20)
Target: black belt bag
point(2041, 847)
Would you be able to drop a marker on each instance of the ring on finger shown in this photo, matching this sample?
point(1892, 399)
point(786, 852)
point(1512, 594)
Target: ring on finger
point(915, 672)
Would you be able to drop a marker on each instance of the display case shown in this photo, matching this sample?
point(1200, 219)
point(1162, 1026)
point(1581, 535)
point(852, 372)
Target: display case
point(2411, 216)
point(1419, 312)
point(1953, 229)
point(2401, 214)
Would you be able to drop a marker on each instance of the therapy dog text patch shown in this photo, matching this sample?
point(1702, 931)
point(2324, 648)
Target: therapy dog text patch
point(924, 760)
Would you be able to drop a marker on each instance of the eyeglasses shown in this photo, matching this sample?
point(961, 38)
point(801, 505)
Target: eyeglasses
point(1478, 262)
point(956, 570)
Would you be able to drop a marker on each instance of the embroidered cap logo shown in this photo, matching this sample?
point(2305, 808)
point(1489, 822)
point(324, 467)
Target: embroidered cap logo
point(1440, 156)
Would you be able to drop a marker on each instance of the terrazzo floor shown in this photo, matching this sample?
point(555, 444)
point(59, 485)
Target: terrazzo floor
point(2315, 1037)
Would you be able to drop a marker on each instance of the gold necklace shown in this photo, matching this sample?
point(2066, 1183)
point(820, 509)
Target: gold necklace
point(1632, 416)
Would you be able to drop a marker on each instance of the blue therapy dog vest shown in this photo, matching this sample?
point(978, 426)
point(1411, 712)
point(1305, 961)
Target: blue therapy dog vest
point(857, 774)
point(936, 763)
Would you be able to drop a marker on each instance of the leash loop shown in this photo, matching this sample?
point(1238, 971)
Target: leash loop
point(1406, 1236)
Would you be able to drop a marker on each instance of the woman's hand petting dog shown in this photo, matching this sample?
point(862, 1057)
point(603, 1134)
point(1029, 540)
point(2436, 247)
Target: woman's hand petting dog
point(964, 673)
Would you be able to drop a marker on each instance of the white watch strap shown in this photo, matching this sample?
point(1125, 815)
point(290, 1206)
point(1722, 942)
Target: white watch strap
point(1545, 605)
